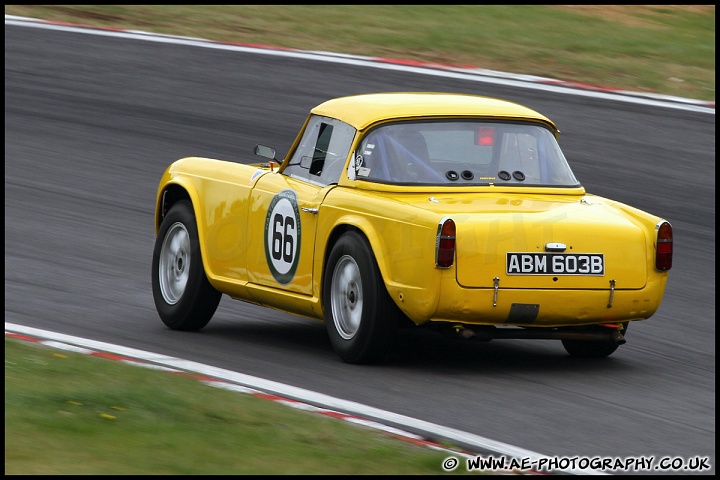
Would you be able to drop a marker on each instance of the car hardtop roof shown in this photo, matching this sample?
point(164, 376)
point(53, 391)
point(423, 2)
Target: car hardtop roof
point(360, 111)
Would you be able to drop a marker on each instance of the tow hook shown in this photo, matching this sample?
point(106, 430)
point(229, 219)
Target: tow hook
point(464, 332)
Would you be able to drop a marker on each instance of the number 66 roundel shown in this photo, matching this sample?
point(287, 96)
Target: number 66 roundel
point(282, 236)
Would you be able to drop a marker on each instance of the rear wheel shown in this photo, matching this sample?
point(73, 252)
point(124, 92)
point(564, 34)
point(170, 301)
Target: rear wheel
point(592, 348)
point(183, 296)
point(360, 316)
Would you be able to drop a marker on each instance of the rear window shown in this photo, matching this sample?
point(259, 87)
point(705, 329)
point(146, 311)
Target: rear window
point(463, 153)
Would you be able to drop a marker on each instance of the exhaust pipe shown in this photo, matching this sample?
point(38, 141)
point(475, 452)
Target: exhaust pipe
point(486, 333)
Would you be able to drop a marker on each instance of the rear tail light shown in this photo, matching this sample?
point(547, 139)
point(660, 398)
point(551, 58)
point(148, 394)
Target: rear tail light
point(663, 246)
point(445, 243)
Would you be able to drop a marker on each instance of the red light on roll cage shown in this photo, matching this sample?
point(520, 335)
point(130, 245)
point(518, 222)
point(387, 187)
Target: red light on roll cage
point(485, 136)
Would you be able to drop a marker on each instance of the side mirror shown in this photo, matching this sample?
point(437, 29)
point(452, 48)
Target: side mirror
point(264, 151)
point(305, 162)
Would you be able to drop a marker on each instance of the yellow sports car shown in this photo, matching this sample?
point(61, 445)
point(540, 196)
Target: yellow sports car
point(448, 211)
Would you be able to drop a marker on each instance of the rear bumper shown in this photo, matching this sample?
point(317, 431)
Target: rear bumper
point(540, 307)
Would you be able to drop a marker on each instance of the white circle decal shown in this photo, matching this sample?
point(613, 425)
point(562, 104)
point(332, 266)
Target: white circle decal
point(282, 236)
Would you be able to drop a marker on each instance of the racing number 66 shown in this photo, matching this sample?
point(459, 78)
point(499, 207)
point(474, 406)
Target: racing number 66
point(282, 239)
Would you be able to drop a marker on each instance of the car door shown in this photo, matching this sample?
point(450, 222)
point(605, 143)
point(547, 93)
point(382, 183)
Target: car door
point(285, 206)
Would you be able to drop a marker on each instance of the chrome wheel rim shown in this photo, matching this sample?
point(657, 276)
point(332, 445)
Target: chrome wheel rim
point(346, 297)
point(174, 266)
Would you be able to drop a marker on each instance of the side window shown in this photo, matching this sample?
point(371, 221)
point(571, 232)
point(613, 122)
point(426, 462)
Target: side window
point(528, 153)
point(520, 152)
point(322, 152)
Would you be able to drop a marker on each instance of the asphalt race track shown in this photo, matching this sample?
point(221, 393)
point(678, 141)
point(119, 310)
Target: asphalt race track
point(92, 121)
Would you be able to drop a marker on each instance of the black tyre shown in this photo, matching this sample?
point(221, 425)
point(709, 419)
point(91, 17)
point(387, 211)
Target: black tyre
point(184, 298)
point(360, 316)
point(592, 349)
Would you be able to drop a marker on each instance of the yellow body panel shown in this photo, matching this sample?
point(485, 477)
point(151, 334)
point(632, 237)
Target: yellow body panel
point(361, 111)
point(401, 229)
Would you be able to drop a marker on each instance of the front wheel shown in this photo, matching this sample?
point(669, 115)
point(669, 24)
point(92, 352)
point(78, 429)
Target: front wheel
point(183, 296)
point(360, 316)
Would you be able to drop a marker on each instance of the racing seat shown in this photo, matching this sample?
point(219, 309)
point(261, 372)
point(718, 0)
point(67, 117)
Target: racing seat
point(415, 144)
point(410, 151)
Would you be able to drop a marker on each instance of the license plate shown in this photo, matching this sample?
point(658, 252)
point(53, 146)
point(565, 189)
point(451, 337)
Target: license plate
point(518, 263)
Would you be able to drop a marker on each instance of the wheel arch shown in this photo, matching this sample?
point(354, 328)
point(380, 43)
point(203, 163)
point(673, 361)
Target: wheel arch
point(365, 230)
point(416, 297)
point(168, 196)
point(173, 192)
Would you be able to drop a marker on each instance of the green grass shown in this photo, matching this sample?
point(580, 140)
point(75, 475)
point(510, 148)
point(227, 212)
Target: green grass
point(69, 413)
point(667, 49)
